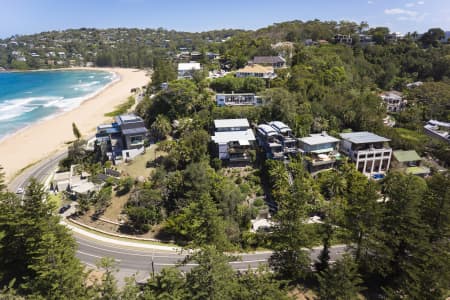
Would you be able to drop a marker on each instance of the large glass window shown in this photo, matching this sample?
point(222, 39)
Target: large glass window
point(136, 140)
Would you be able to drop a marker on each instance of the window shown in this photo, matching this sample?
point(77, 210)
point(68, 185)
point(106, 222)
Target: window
point(136, 140)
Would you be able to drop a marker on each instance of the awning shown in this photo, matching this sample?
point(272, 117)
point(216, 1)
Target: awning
point(244, 143)
point(326, 150)
point(417, 170)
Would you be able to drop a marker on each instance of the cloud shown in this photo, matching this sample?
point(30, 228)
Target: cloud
point(370, 2)
point(410, 4)
point(420, 2)
point(400, 11)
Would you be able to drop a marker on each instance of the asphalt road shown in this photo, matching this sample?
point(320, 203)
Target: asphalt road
point(133, 261)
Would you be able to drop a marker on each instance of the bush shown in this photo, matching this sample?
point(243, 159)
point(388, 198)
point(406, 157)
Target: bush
point(258, 203)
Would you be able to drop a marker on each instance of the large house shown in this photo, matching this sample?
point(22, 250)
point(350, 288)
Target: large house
point(320, 150)
point(234, 139)
point(437, 129)
point(288, 140)
point(256, 70)
point(370, 152)
point(238, 99)
point(272, 61)
point(124, 138)
point(394, 101)
point(409, 162)
point(186, 70)
point(270, 140)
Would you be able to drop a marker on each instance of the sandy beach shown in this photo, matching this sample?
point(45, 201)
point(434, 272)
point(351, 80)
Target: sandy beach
point(49, 136)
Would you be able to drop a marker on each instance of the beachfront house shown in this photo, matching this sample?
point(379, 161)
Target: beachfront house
point(186, 70)
point(238, 99)
point(320, 151)
point(370, 152)
point(409, 162)
point(124, 138)
point(275, 62)
point(234, 139)
point(437, 129)
point(256, 70)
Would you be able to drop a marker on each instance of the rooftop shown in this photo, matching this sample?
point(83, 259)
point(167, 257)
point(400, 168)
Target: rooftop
point(363, 137)
point(279, 126)
point(268, 130)
point(231, 136)
point(130, 118)
point(255, 69)
point(317, 139)
point(405, 156)
point(189, 66)
point(225, 123)
point(268, 59)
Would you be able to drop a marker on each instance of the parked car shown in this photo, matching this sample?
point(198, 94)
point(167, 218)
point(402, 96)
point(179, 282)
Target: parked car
point(20, 191)
point(64, 208)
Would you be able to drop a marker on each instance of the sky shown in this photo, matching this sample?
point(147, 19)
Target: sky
point(33, 16)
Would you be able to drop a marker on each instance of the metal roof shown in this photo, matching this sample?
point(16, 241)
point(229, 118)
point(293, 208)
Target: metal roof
point(268, 60)
point(189, 66)
point(233, 136)
point(226, 123)
point(317, 139)
point(405, 156)
point(363, 137)
point(266, 129)
point(279, 126)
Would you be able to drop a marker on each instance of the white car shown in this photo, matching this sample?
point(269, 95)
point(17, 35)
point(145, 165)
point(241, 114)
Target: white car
point(20, 191)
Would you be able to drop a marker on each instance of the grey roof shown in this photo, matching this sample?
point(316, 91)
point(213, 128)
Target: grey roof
point(139, 130)
point(363, 137)
point(268, 59)
point(130, 118)
point(279, 126)
point(266, 129)
point(226, 123)
point(317, 139)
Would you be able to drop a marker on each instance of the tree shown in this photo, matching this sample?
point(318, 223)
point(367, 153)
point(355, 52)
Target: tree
point(2, 180)
point(75, 131)
point(341, 281)
point(432, 37)
point(168, 284)
point(107, 289)
point(160, 128)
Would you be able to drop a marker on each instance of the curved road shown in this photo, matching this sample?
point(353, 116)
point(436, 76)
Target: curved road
point(138, 261)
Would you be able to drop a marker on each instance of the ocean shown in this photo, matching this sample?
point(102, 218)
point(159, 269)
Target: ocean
point(29, 97)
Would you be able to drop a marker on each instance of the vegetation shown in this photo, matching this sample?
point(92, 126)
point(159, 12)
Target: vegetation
point(122, 108)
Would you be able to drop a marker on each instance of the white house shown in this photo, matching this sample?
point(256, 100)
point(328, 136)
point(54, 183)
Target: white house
point(394, 101)
point(370, 152)
point(186, 70)
point(234, 139)
point(238, 99)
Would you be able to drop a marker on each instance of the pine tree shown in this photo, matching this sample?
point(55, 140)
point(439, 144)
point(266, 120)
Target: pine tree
point(76, 131)
point(341, 281)
point(107, 289)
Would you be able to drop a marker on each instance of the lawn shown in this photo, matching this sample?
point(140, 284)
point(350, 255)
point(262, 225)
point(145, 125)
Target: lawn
point(138, 166)
point(412, 136)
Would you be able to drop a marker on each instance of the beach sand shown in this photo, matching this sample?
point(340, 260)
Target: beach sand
point(47, 137)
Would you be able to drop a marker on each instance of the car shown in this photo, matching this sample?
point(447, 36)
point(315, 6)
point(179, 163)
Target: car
point(64, 208)
point(20, 191)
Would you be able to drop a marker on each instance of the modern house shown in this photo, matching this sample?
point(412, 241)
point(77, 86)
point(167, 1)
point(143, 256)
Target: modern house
point(186, 70)
point(275, 62)
point(343, 39)
point(370, 152)
point(124, 138)
point(238, 99)
point(409, 162)
point(320, 150)
point(288, 140)
point(234, 139)
point(270, 140)
point(437, 129)
point(394, 101)
point(256, 70)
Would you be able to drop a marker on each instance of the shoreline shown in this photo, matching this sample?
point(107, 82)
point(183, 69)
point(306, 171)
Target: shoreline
point(86, 98)
point(34, 142)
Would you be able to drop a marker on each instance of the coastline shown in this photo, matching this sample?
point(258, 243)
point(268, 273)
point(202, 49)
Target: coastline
point(40, 139)
point(86, 98)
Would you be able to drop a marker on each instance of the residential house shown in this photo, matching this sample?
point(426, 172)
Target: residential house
point(186, 70)
point(320, 150)
point(409, 162)
point(256, 71)
point(370, 152)
point(124, 138)
point(394, 37)
point(238, 99)
point(343, 39)
point(288, 140)
point(275, 62)
point(270, 140)
point(437, 129)
point(234, 139)
point(394, 101)
point(414, 84)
